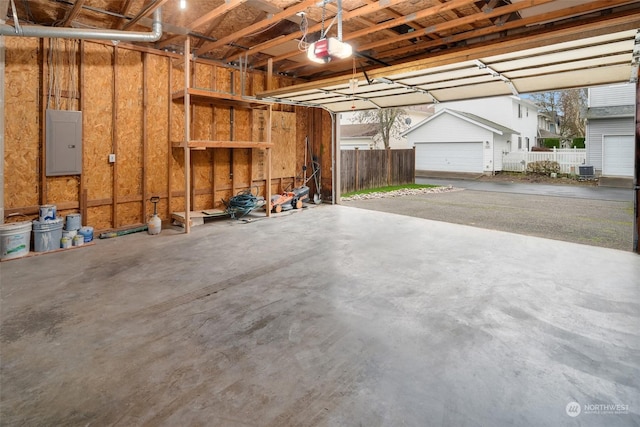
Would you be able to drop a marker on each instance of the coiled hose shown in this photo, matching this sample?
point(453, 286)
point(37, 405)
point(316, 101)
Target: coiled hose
point(243, 203)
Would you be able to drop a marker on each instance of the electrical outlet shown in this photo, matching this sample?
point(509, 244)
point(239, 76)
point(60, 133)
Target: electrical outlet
point(112, 158)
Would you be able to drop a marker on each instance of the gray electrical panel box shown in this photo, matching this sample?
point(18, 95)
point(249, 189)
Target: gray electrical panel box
point(64, 143)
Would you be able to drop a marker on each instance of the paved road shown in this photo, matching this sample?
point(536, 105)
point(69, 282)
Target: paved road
point(557, 213)
point(572, 191)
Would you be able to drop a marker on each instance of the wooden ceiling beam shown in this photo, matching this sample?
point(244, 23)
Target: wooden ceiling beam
point(498, 11)
point(352, 14)
point(73, 13)
point(146, 11)
point(219, 11)
point(532, 20)
point(290, 11)
point(393, 14)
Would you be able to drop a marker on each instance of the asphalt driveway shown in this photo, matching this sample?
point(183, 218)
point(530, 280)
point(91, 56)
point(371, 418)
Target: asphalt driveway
point(598, 216)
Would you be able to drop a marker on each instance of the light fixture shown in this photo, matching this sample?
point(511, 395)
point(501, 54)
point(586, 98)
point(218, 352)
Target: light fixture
point(328, 49)
point(183, 4)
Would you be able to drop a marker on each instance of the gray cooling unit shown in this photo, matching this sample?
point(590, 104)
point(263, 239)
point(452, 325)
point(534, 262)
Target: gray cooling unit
point(586, 172)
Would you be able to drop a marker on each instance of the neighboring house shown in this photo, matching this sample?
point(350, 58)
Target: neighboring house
point(353, 134)
point(547, 126)
point(513, 112)
point(610, 135)
point(358, 136)
point(456, 141)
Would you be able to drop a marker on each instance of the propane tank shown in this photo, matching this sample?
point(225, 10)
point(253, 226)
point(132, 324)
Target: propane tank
point(154, 226)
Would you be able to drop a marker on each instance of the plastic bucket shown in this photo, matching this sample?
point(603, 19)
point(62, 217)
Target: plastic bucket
point(87, 233)
point(15, 239)
point(47, 235)
point(47, 213)
point(74, 222)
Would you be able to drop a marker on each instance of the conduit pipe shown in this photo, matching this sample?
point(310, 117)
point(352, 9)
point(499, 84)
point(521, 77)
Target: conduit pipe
point(87, 34)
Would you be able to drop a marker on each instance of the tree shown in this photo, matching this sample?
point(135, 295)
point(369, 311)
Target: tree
point(389, 122)
point(566, 107)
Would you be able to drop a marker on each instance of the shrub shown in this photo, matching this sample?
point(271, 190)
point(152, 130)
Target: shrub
point(577, 143)
point(551, 142)
point(544, 167)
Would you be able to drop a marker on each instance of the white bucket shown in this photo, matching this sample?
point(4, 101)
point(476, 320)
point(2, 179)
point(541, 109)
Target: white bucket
point(47, 212)
point(47, 235)
point(69, 234)
point(78, 240)
point(15, 239)
point(74, 222)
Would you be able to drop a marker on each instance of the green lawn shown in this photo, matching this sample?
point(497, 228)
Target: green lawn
point(389, 189)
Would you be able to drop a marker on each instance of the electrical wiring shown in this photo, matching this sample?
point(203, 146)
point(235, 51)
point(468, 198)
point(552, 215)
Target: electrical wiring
point(304, 28)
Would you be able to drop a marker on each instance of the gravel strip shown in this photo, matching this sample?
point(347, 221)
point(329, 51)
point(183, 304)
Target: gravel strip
point(401, 193)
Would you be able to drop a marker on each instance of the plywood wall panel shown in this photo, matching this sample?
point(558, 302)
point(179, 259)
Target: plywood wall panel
point(99, 217)
point(201, 171)
point(222, 120)
point(283, 156)
point(97, 124)
point(203, 202)
point(21, 115)
point(129, 213)
point(63, 189)
point(222, 168)
point(129, 123)
point(158, 103)
point(258, 164)
point(242, 125)
point(241, 167)
point(223, 80)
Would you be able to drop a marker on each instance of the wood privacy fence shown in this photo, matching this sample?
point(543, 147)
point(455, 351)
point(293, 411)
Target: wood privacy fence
point(364, 169)
point(568, 158)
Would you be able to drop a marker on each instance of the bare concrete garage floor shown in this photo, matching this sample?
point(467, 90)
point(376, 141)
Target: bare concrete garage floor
point(332, 316)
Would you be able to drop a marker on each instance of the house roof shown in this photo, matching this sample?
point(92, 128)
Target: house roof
point(468, 117)
point(610, 112)
point(543, 133)
point(358, 130)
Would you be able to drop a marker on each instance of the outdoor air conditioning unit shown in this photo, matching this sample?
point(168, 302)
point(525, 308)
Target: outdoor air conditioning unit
point(586, 172)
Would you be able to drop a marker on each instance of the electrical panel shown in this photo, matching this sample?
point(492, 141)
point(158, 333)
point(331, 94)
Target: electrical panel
point(64, 143)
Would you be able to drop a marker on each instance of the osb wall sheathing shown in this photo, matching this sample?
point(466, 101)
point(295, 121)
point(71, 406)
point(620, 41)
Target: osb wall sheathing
point(97, 96)
point(218, 173)
point(129, 137)
point(61, 87)
point(283, 153)
point(157, 115)
point(22, 134)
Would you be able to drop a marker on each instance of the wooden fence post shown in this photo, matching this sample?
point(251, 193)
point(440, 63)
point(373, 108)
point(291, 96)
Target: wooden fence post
point(357, 177)
point(388, 166)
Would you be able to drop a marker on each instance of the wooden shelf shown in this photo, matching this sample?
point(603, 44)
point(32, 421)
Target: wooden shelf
point(202, 144)
point(190, 96)
point(205, 96)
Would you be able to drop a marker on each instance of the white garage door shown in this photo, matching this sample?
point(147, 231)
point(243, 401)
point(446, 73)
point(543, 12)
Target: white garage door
point(449, 156)
point(618, 155)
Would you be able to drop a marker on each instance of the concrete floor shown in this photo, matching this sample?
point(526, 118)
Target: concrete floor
point(330, 316)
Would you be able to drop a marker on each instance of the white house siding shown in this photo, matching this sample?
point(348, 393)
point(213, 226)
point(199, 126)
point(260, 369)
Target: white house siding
point(597, 129)
point(450, 130)
point(605, 96)
point(503, 110)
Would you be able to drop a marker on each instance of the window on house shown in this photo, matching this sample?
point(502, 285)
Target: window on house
point(519, 143)
point(527, 112)
point(519, 111)
point(526, 143)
